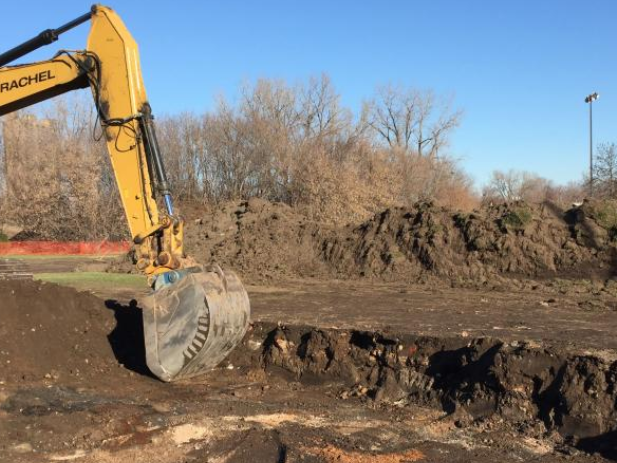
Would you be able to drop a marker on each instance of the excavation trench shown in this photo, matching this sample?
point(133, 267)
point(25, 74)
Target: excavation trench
point(521, 383)
point(86, 344)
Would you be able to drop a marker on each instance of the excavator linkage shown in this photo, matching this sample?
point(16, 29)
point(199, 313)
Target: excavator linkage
point(194, 317)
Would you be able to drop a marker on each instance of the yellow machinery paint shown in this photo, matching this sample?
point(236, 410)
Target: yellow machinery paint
point(195, 316)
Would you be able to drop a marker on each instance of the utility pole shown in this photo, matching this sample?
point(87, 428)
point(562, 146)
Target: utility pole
point(590, 99)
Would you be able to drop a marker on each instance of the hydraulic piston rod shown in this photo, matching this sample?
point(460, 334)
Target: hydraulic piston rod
point(44, 38)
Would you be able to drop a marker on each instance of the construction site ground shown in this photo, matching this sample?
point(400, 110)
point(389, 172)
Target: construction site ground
point(290, 392)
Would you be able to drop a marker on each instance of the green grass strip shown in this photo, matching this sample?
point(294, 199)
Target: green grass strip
point(94, 280)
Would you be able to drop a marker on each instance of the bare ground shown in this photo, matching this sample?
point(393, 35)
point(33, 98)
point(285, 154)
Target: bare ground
point(417, 335)
point(321, 377)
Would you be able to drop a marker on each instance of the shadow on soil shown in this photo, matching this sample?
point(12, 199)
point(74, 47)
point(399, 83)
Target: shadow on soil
point(605, 445)
point(127, 338)
point(458, 373)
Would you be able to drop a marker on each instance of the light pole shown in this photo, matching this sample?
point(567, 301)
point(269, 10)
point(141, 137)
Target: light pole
point(590, 99)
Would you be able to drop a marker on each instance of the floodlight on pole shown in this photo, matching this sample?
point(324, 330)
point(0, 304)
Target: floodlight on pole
point(590, 99)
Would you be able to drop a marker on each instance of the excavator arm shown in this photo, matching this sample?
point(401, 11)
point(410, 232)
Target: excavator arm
point(194, 316)
point(110, 66)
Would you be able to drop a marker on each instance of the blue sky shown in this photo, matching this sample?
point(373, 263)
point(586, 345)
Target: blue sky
point(519, 69)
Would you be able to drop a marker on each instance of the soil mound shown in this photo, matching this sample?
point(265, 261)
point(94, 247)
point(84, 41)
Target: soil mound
point(27, 235)
point(263, 239)
point(51, 332)
point(257, 238)
point(515, 240)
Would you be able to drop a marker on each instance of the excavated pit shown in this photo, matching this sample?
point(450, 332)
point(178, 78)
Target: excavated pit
point(76, 349)
point(522, 383)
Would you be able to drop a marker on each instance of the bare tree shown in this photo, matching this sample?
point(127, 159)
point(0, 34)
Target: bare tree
point(393, 115)
point(57, 177)
point(503, 186)
point(322, 115)
point(516, 186)
point(412, 120)
point(292, 143)
point(605, 170)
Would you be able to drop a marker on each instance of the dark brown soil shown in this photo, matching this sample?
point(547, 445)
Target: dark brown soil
point(258, 239)
point(482, 247)
point(51, 332)
point(27, 235)
point(489, 247)
point(525, 384)
point(290, 393)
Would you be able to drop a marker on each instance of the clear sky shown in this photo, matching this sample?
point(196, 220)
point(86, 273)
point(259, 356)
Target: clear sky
point(519, 69)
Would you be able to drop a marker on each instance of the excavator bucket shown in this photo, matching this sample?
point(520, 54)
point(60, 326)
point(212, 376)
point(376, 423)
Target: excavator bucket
point(191, 325)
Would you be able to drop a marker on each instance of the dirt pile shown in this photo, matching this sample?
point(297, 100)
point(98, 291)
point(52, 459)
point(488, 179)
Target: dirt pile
point(515, 240)
point(263, 239)
point(27, 235)
point(258, 239)
point(55, 333)
point(535, 388)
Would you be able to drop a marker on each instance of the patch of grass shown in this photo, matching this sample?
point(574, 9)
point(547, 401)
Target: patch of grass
point(94, 280)
point(606, 215)
point(517, 218)
point(3, 238)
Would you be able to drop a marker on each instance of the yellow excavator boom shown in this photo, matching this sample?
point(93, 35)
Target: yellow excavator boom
point(194, 316)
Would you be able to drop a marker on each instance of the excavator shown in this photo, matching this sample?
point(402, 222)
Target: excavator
point(195, 315)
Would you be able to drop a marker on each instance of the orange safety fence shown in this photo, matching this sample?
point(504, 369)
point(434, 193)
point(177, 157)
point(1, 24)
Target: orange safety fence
point(64, 247)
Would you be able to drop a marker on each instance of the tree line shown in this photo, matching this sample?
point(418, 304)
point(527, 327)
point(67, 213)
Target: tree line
point(515, 185)
point(296, 144)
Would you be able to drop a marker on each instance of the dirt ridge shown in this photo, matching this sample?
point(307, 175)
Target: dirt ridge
point(268, 240)
point(524, 383)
